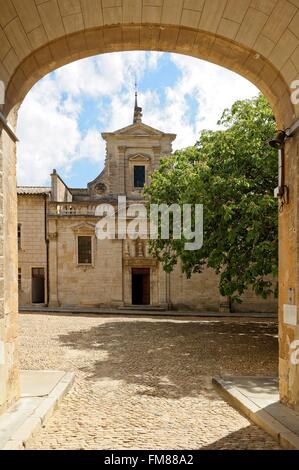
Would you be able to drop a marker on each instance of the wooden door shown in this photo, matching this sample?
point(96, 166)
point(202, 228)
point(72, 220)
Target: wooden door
point(38, 285)
point(141, 286)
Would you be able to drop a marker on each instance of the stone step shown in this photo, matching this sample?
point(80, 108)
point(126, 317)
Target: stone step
point(147, 308)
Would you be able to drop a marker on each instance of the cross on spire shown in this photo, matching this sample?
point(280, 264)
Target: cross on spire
point(137, 110)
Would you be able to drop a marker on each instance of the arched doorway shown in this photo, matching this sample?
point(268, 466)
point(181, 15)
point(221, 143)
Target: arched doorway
point(255, 39)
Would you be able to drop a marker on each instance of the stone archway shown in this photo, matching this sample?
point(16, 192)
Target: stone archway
point(255, 38)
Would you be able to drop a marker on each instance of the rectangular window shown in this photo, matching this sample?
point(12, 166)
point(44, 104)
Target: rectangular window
point(139, 176)
point(84, 250)
point(20, 278)
point(19, 236)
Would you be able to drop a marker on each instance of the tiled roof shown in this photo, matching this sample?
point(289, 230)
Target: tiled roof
point(33, 190)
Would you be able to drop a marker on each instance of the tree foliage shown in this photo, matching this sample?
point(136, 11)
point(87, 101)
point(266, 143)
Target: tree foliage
point(233, 173)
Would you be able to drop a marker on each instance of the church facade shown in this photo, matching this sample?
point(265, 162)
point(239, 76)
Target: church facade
point(63, 263)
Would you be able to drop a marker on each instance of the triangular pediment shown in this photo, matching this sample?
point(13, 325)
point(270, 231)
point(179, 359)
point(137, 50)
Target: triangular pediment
point(140, 158)
point(84, 227)
point(139, 129)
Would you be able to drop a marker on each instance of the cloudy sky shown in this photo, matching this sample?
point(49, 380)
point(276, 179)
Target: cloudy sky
point(62, 117)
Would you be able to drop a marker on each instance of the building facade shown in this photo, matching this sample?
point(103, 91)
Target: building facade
point(63, 263)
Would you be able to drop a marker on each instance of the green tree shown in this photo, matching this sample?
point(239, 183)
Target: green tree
point(233, 173)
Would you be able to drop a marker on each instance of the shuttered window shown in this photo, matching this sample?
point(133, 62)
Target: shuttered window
point(84, 250)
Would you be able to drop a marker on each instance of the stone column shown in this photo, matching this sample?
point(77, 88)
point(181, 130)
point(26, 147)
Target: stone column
point(289, 281)
point(9, 367)
point(53, 264)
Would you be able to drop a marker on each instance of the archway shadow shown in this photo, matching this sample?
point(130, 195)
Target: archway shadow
point(172, 359)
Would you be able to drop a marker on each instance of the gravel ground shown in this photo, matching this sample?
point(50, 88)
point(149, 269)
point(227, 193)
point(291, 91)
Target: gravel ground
point(145, 383)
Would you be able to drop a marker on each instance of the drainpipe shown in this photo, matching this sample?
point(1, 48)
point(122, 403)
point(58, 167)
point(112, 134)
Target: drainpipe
point(47, 250)
point(123, 273)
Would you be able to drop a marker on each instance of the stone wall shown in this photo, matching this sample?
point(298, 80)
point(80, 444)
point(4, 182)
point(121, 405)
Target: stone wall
point(107, 282)
point(201, 293)
point(60, 191)
point(96, 285)
point(289, 280)
point(33, 249)
point(253, 303)
point(198, 293)
point(9, 372)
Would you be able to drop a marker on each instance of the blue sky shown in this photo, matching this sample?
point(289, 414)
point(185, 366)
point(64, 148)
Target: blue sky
point(62, 117)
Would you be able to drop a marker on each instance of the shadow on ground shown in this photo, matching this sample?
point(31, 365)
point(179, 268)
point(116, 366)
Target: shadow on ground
point(247, 438)
point(169, 358)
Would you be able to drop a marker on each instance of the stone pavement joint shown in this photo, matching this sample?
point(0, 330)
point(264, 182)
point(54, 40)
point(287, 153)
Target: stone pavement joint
point(258, 399)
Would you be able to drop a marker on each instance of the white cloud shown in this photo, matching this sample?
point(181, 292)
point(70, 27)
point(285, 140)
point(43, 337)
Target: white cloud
point(49, 118)
point(48, 135)
point(213, 89)
point(153, 60)
point(91, 147)
point(49, 123)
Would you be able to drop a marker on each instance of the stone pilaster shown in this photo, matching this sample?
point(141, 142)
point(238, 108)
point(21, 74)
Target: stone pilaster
point(117, 297)
point(127, 284)
point(53, 264)
point(155, 300)
point(121, 170)
point(164, 287)
point(157, 155)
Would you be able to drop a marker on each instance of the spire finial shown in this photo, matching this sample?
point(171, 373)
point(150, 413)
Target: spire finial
point(137, 110)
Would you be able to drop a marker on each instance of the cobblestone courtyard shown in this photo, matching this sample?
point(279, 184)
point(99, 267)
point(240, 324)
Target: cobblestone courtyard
point(145, 383)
